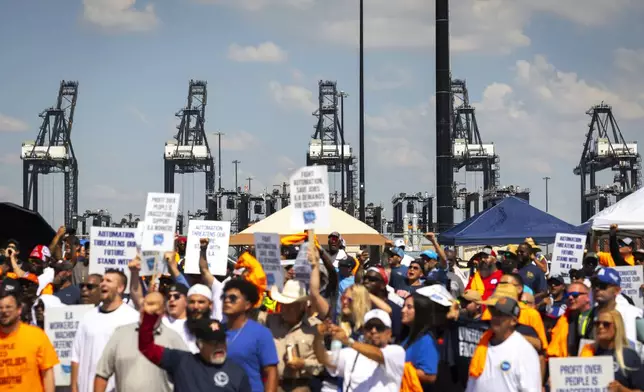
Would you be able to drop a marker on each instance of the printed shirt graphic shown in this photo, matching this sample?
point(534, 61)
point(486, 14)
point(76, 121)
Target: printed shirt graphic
point(461, 340)
point(25, 353)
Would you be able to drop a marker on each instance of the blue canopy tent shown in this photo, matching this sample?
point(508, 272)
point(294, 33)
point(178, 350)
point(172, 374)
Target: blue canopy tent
point(509, 222)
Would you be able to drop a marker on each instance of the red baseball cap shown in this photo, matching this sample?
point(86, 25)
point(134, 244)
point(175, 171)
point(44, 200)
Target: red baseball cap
point(40, 252)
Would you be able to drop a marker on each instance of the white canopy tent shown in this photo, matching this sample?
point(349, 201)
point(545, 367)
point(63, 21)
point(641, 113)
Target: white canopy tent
point(628, 214)
point(353, 231)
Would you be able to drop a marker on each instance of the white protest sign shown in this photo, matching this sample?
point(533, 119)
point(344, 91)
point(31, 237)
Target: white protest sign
point(310, 198)
point(112, 248)
point(577, 374)
point(302, 267)
point(61, 324)
point(632, 279)
point(568, 253)
point(148, 261)
point(160, 220)
point(267, 251)
point(218, 235)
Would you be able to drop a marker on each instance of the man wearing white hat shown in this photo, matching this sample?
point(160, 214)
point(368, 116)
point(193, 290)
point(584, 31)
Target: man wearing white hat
point(374, 365)
point(293, 335)
point(407, 259)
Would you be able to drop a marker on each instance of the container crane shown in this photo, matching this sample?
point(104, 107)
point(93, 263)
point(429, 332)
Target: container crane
point(605, 148)
point(189, 151)
point(52, 152)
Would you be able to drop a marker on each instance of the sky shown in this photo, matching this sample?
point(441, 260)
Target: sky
point(533, 69)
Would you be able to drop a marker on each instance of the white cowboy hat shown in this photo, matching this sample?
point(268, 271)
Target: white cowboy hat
point(294, 291)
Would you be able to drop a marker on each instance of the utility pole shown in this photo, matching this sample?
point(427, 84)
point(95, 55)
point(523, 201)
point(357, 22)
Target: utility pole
point(546, 179)
point(219, 135)
point(362, 215)
point(342, 96)
point(249, 179)
point(236, 163)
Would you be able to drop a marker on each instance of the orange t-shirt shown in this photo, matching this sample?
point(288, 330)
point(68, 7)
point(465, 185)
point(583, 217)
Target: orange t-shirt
point(24, 354)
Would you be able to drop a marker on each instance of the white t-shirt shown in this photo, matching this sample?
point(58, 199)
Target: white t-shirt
point(45, 278)
point(361, 374)
point(179, 326)
point(509, 367)
point(91, 338)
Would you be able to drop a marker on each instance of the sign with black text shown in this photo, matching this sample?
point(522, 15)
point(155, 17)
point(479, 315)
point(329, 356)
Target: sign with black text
point(581, 374)
point(567, 253)
point(310, 198)
point(267, 251)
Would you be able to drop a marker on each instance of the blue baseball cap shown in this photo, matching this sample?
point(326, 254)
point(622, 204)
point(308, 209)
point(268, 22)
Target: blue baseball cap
point(430, 254)
point(396, 251)
point(609, 276)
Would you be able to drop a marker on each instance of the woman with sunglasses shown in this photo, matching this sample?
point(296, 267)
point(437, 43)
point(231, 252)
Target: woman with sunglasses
point(610, 340)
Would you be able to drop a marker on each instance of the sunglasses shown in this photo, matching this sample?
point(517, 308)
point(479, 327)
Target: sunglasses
point(174, 296)
point(378, 326)
point(232, 298)
point(603, 324)
point(575, 294)
point(88, 286)
point(600, 285)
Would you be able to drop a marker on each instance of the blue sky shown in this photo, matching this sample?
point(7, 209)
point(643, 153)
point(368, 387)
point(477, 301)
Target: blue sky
point(532, 72)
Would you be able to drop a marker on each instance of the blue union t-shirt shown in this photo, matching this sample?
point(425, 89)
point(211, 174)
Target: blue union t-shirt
point(252, 347)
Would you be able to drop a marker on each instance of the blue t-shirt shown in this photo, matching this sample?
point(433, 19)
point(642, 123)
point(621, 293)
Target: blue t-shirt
point(69, 296)
point(423, 354)
point(190, 373)
point(252, 348)
point(534, 278)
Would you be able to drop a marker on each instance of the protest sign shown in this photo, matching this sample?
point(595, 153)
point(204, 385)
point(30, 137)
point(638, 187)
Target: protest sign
point(577, 374)
point(310, 198)
point(568, 253)
point(267, 251)
point(218, 235)
point(160, 220)
point(112, 248)
point(61, 324)
point(150, 260)
point(302, 267)
point(632, 279)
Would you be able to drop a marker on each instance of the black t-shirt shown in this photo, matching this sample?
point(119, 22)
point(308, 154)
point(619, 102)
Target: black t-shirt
point(631, 378)
point(396, 321)
point(461, 340)
point(69, 296)
point(191, 374)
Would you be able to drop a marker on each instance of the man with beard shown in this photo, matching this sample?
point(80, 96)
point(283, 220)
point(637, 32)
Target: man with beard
point(209, 370)
point(132, 371)
point(532, 275)
point(63, 288)
point(199, 306)
point(487, 277)
point(96, 328)
point(28, 356)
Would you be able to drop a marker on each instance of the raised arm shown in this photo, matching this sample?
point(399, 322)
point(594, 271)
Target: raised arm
point(318, 302)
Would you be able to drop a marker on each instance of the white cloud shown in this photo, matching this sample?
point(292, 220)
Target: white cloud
point(292, 96)
point(260, 5)
point(389, 78)
point(238, 141)
point(267, 52)
point(120, 15)
point(11, 124)
point(588, 13)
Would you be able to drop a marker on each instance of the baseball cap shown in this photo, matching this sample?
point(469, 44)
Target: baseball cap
point(380, 271)
point(10, 287)
point(346, 262)
point(430, 254)
point(609, 276)
point(396, 251)
point(591, 255)
point(180, 288)
point(556, 278)
point(200, 289)
point(472, 296)
point(626, 241)
point(208, 330)
point(437, 293)
point(506, 305)
point(40, 252)
point(399, 243)
point(335, 234)
point(378, 314)
point(63, 265)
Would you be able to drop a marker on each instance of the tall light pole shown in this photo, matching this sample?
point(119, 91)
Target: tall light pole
point(546, 179)
point(219, 135)
point(236, 163)
point(362, 149)
point(342, 96)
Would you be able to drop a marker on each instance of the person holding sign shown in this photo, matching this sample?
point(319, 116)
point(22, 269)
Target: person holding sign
point(610, 340)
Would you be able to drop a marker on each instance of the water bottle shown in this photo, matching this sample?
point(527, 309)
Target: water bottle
point(336, 346)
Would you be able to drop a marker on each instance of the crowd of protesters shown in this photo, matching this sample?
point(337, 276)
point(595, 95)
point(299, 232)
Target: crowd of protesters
point(397, 324)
